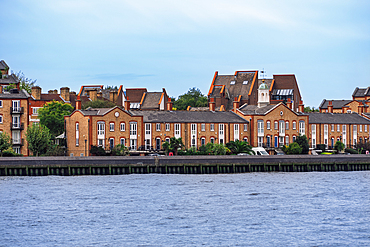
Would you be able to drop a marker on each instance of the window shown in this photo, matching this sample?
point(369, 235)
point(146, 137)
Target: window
point(71, 154)
point(17, 150)
point(111, 143)
point(260, 141)
point(167, 127)
point(268, 123)
point(260, 127)
point(122, 127)
point(294, 125)
point(1, 118)
point(100, 143)
point(365, 127)
point(232, 83)
point(360, 128)
point(245, 139)
point(332, 128)
point(245, 82)
point(236, 132)
point(203, 127)
point(338, 128)
point(203, 141)
point(122, 141)
point(35, 110)
point(101, 129)
point(301, 127)
point(147, 129)
point(313, 135)
point(286, 125)
point(326, 135)
point(16, 122)
point(77, 134)
point(158, 127)
point(221, 133)
point(286, 140)
point(1, 103)
point(111, 126)
point(133, 130)
point(193, 135)
point(16, 137)
point(212, 127)
point(245, 127)
point(212, 140)
point(294, 137)
point(16, 106)
point(81, 154)
point(276, 126)
point(168, 139)
point(177, 130)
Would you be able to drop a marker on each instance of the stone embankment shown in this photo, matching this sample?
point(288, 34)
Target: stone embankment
point(68, 166)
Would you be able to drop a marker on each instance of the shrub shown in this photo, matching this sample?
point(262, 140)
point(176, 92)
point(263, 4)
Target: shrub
point(294, 148)
point(120, 150)
point(303, 143)
point(339, 146)
point(321, 147)
point(98, 151)
point(351, 151)
point(55, 150)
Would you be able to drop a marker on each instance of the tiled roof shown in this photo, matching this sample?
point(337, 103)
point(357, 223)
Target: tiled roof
point(22, 94)
point(135, 94)
point(99, 111)
point(337, 104)
point(189, 117)
point(337, 118)
point(9, 79)
point(3, 65)
point(361, 92)
point(255, 110)
point(151, 100)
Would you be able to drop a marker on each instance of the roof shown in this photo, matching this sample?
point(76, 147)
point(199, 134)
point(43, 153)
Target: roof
point(9, 79)
point(135, 94)
point(255, 110)
point(189, 117)
point(337, 104)
point(361, 92)
point(22, 94)
point(99, 111)
point(3, 65)
point(286, 82)
point(151, 100)
point(337, 118)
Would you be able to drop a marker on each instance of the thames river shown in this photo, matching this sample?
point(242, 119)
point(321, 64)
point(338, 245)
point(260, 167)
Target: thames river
point(250, 209)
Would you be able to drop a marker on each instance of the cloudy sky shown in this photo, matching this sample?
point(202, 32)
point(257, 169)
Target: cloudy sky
point(180, 44)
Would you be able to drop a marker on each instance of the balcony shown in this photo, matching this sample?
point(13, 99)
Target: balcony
point(19, 142)
point(17, 126)
point(16, 110)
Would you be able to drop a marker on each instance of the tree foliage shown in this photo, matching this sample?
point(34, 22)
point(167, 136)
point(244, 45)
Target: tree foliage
point(239, 147)
point(4, 142)
point(120, 150)
point(339, 146)
point(193, 97)
point(309, 109)
point(98, 104)
point(52, 116)
point(303, 143)
point(293, 148)
point(25, 83)
point(173, 146)
point(38, 138)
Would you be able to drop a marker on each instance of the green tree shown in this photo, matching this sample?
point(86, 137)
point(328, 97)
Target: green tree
point(173, 146)
point(4, 142)
point(309, 109)
point(303, 143)
point(24, 82)
point(239, 147)
point(52, 116)
point(339, 146)
point(193, 97)
point(38, 138)
point(98, 104)
point(294, 148)
point(120, 150)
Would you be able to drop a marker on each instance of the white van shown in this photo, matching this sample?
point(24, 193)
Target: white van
point(260, 151)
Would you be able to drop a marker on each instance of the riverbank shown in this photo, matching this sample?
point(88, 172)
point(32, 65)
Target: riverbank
point(67, 166)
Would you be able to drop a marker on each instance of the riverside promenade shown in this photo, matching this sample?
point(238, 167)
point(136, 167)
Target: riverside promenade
point(118, 165)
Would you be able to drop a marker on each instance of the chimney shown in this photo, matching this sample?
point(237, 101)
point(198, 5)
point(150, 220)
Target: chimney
point(113, 96)
point(93, 95)
point(99, 94)
point(64, 93)
point(235, 104)
point(301, 106)
point(127, 104)
point(330, 106)
point(50, 91)
point(55, 91)
point(289, 104)
point(36, 92)
point(169, 105)
point(78, 103)
point(212, 104)
point(72, 93)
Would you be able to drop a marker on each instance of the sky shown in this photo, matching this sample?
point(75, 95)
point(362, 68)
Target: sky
point(179, 45)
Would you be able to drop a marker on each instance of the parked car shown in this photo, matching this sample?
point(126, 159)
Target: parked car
point(260, 151)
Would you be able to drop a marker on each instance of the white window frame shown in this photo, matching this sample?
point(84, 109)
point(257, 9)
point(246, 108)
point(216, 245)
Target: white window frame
point(111, 127)
point(122, 141)
point(158, 127)
point(287, 140)
point(203, 127)
point(1, 103)
point(221, 133)
point(212, 127)
point(203, 141)
point(77, 134)
point(122, 127)
point(133, 128)
point(168, 128)
point(286, 125)
point(294, 125)
point(236, 132)
point(268, 125)
point(1, 119)
point(245, 127)
point(326, 135)
point(302, 127)
point(338, 128)
point(276, 125)
point(193, 128)
point(360, 127)
point(260, 128)
point(177, 130)
point(332, 128)
point(35, 111)
point(344, 134)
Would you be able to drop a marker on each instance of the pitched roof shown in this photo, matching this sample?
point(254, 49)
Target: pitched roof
point(361, 92)
point(3, 65)
point(337, 104)
point(135, 94)
point(336, 118)
point(189, 117)
point(21, 94)
point(255, 110)
point(151, 100)
point(9, 79)
point(99, 111)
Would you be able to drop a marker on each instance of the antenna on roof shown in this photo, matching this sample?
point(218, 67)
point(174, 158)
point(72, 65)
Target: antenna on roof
point(263, 73)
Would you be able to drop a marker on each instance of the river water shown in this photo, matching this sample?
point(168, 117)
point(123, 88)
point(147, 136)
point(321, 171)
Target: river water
point(251, 209)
